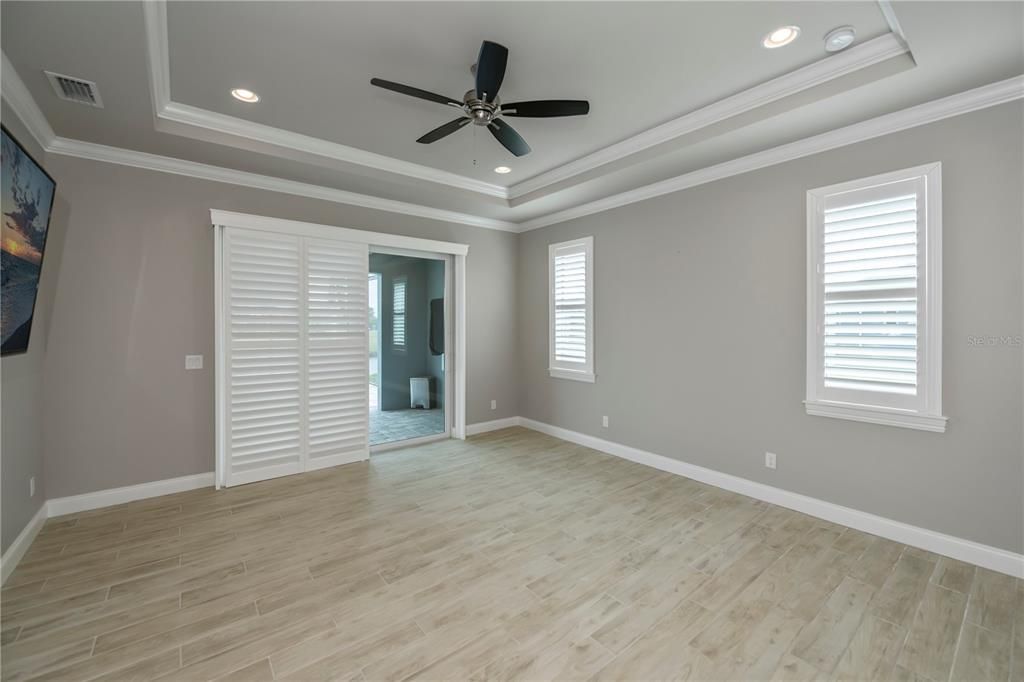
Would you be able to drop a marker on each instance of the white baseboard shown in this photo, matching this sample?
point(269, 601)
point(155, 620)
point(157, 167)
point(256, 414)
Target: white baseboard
point(107, 498)
point(965, 550)
point(493, 425)
point(9, 560)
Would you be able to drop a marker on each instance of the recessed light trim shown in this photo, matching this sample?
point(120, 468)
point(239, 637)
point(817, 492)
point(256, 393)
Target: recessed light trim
point(781, 36)
point(502, 170)
point(244, 95)
point(839, 39)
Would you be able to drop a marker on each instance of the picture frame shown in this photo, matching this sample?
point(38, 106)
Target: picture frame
point(27, 194)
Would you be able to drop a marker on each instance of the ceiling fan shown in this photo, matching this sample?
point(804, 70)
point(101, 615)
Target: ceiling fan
point(481, 106)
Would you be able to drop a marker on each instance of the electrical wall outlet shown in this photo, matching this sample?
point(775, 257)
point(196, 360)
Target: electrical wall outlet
point(494, 404)
point(193, 362)
point(32, 487)
point(769, 460)
point(604, 421)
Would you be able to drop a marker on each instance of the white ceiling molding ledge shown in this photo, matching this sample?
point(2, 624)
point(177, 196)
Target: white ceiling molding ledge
point(822, 71)
point(965, 102)
point(202, 171)
point(24, 105)
point(182, 119)
point(894, 23)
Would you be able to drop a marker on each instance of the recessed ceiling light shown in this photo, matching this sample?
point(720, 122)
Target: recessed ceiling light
point(243, 95)
point(502, 170)
point(783, 35)
point(840, 38)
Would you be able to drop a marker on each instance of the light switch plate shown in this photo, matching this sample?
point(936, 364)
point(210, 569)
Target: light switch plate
point(193, 362)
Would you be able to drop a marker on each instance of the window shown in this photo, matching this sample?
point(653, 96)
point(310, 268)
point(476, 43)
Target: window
point(874, 290)
point(571, 309)
point(398, 313)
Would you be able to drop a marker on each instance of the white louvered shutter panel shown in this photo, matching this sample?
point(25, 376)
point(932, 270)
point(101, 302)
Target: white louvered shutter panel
point(336, 347)
point(870, 290)
point(571, 307)
point(571, 323)
point(398, 313)
point(263, 317)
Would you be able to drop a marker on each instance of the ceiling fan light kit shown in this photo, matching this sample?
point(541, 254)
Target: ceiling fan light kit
point(481, 106)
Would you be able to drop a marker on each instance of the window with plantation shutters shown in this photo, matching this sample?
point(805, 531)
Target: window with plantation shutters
point(571, 309)
point(398, 313)
point(874, 317)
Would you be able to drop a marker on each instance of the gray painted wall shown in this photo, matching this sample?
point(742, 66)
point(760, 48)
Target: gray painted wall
point(22, 385)
point(135, 297)
point(699, 322)
point(398, 366)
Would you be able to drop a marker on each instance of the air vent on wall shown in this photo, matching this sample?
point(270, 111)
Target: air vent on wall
point(75, 89)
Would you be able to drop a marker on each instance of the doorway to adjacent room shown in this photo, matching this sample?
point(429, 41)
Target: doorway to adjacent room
point(407, 339)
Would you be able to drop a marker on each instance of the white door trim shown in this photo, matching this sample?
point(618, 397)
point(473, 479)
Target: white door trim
point(459, 275)
point(449, 339)
point(378, 240)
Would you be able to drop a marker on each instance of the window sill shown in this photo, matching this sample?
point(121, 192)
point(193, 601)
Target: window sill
point(877, 415)
point(575, 375)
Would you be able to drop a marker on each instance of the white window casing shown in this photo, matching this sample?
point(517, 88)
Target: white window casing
point(571, 309)
point(874, 300)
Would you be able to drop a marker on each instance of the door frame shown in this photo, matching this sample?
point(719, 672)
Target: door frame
point(455, 320)
point(449, 295)
point(380, 330)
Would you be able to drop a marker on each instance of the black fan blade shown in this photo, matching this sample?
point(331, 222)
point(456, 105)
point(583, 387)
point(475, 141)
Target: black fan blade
point(414, 92)
point(508, 137)
point(490, 70)
point(443, 131)
point(546, 108)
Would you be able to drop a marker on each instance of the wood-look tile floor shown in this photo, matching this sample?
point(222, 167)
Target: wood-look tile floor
point(510, 556)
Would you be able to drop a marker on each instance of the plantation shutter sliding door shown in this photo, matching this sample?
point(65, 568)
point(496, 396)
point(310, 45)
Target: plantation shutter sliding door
point(337, 349)
point(263, 317)
point(294, 348)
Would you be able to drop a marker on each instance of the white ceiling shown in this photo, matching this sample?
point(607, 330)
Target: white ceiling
point(639, 64)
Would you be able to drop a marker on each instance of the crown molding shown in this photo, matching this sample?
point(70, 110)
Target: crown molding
point(21, 102)
point(202, 171)
point(174, 117)
point(822, 71)
point(965, 102)
point(24, 105)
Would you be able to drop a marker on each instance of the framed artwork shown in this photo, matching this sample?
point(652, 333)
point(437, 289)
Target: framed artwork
point(26, 201)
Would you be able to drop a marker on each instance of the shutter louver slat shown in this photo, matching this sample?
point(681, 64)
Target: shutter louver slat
point(870, 271)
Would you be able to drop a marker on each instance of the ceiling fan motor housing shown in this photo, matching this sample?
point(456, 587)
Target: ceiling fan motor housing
point(479, 111)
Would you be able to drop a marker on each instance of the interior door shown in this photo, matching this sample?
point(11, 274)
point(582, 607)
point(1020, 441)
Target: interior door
point(295, 349)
